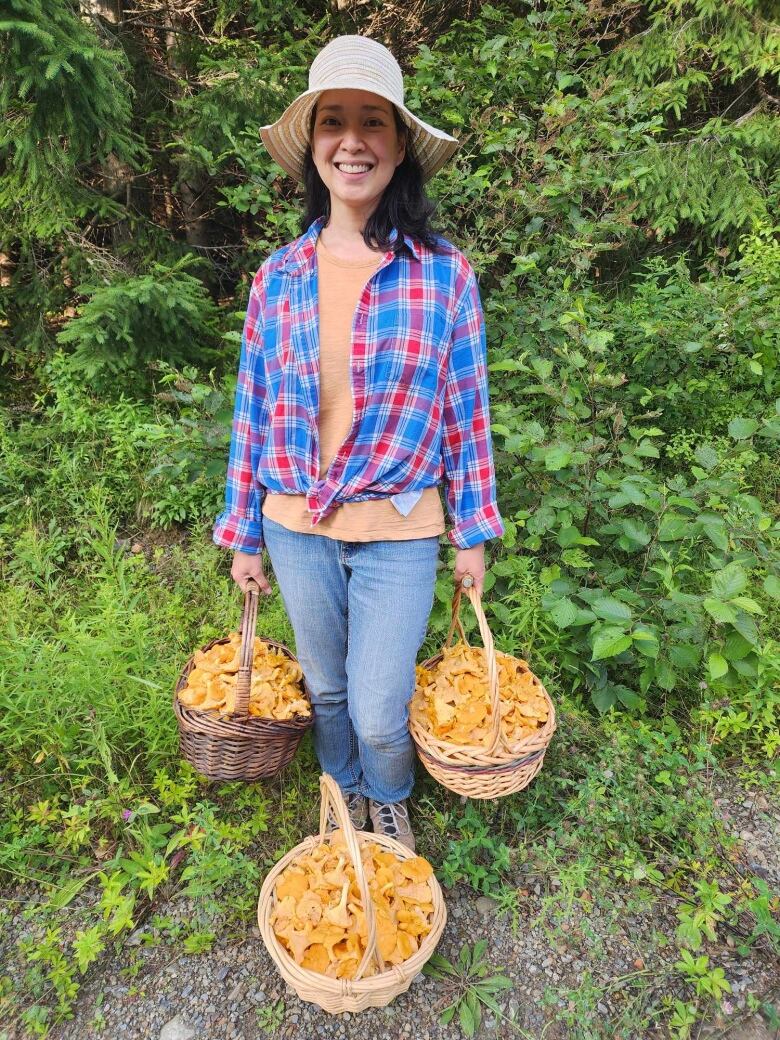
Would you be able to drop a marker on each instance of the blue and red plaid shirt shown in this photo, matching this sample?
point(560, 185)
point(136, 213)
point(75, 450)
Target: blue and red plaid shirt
point(419, 383)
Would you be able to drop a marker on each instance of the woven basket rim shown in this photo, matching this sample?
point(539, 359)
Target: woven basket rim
point(478, 770)
point(398, 976)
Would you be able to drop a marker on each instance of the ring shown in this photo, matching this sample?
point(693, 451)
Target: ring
point(467, 582)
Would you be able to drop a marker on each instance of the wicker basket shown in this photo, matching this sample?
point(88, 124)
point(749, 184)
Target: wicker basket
point(337, 995)
point(242, 746)
point(482, 772)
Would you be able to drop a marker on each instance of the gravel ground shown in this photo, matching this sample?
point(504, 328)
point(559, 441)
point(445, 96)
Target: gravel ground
point(587, 973)
point(756, 820)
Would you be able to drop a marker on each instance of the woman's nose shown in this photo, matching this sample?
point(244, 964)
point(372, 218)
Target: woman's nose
point(352, 139)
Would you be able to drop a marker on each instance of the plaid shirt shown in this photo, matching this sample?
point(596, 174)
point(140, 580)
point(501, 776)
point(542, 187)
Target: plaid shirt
point(419, 383)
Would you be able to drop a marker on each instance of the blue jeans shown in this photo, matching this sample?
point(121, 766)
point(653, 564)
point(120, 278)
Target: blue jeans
point(359, 611)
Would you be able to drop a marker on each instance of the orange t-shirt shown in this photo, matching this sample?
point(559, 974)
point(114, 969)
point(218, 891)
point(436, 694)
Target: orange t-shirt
point(340, 283)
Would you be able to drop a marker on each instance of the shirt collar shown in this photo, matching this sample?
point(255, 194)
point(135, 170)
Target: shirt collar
point(302, 249)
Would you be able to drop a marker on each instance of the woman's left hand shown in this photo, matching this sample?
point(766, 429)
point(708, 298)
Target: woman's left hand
point(471, 561)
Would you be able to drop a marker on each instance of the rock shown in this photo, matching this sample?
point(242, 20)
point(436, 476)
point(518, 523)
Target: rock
point(754, 1029)
point(486, 906)
point(177, 1029)
point(137, 548)
point(223, 973)
point(235, 993)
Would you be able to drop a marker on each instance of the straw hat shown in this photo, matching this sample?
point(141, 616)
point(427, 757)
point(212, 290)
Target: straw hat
point(357, 63)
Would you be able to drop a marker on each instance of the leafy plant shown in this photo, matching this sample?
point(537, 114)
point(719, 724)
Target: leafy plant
point(706, 980)
point(165, 313)
point(476, 857)
point(270, 1017)
point(468, 985)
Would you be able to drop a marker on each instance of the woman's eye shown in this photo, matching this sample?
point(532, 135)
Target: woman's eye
point(332, 121)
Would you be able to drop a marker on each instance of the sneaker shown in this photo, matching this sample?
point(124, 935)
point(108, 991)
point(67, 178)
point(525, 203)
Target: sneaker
point(392, 819)
point(357, 807)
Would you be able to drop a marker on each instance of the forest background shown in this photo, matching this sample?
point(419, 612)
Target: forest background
point(617, 191)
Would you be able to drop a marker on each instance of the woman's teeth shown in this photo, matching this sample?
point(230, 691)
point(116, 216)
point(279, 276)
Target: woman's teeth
point(354, 167)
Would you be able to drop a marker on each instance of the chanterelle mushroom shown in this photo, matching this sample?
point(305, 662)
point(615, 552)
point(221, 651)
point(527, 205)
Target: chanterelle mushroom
point(336, 876)
point(339, 914)
point(309, 908)
point(297, 942)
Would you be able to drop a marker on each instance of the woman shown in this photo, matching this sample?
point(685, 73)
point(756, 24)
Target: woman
point(362, 384)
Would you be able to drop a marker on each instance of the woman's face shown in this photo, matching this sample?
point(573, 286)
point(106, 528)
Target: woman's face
point(355, 146)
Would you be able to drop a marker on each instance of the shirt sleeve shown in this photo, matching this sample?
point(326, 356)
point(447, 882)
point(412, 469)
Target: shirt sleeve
point(240, 525)
point(466, 443)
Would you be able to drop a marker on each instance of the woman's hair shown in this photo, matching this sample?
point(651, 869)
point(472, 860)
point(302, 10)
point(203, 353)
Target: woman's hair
point(404, 204)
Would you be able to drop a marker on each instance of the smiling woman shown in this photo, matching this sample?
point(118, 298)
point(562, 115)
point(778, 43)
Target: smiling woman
point(362, 388)
point(357, 143)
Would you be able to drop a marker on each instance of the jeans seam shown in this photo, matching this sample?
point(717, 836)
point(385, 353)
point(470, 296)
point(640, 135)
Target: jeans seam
point(354, 755)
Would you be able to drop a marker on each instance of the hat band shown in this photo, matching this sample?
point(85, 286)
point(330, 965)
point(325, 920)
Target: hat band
point(351, 78)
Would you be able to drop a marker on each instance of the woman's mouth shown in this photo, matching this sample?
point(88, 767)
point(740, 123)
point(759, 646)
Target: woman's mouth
point(354, 170)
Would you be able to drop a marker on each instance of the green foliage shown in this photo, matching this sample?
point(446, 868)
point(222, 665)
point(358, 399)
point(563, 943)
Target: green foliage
point(165, 314)
point(60, 81)
point(632, 522)
point(705, 980)
point(475, 856)
point(468, 986)
point(270, 1017)
point(65, 101)
point(189, 447)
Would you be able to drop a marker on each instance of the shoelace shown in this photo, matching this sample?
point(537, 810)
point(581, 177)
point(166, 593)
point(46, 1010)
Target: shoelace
point(393, 815)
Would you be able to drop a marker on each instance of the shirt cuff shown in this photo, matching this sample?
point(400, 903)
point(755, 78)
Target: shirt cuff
point(240, 533)
point(477, 528)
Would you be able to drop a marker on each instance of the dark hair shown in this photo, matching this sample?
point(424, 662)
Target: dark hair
point(404, 204)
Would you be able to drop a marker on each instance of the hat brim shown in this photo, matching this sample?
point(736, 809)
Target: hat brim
point(288, 138)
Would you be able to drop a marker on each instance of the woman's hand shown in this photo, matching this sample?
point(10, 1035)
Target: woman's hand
point(471, 561)
point(249, 565)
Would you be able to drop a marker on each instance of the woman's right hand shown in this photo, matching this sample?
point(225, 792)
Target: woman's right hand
point(249, 565)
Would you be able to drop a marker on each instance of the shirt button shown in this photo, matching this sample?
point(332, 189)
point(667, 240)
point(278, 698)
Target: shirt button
point(359, 367)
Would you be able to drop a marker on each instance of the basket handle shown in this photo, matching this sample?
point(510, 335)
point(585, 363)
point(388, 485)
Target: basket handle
point(246, 654)
point(490, 654)
point(330, 795)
